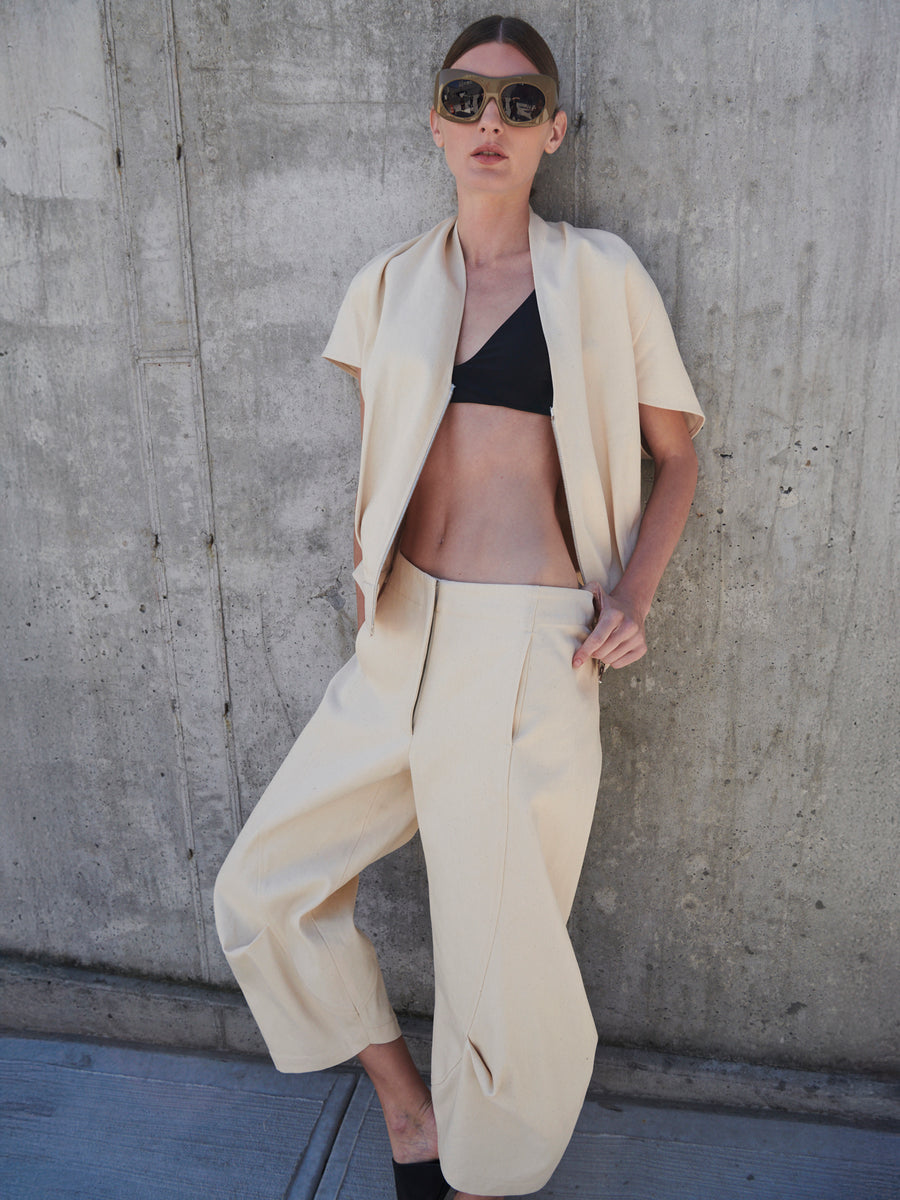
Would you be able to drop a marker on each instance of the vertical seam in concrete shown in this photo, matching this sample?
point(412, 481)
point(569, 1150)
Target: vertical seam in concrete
point(205, 466)
point(150, 476)
point(204, 474)
point(143, 417)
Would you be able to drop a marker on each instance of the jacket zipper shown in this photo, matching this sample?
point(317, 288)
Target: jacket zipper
point(405, 505)
point(562, 469)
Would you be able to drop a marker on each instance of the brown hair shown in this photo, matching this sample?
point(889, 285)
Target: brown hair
point(513, 32)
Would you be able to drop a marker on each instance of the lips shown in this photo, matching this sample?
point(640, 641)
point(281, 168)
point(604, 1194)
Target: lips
point(488, 153)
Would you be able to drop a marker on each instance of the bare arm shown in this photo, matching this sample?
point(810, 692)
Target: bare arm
point(618, 637)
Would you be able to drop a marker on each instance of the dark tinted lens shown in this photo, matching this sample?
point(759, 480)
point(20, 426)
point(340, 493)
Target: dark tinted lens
point(522, 102)
point(462, 98)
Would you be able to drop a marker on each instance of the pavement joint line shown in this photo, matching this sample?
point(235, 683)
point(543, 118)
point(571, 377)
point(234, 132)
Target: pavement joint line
point(316, 1154)
point(345, 1143)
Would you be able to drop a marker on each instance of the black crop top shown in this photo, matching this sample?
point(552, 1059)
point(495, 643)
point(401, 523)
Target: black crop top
point(512, 368)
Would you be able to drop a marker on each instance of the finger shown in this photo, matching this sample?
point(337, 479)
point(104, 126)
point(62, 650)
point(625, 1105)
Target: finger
point(604, 634)
point(596, 590)
point(607, 637)
point(599, 590)
point(623, 645)
point(600, 598)
point(589, 648)
point(627, 654)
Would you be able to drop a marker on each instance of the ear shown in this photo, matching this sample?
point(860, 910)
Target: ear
point(558, 126)
point(436, 132)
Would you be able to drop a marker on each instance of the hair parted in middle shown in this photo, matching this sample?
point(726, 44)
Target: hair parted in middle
point(511, 31)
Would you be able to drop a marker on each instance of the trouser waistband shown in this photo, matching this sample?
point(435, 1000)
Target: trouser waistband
point(525, 604)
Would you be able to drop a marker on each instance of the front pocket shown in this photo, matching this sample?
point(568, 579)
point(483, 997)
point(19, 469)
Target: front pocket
point(519, 705)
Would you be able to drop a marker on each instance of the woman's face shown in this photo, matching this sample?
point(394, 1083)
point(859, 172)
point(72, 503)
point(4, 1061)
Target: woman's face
point(487, 154)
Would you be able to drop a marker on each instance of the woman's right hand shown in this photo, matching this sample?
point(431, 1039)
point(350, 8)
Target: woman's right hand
point(617, 638)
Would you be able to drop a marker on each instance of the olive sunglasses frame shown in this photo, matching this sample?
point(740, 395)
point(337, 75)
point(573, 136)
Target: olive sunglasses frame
point(493, 87)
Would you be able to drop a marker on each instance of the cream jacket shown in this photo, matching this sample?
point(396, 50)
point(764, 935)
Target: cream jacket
point(611, 348)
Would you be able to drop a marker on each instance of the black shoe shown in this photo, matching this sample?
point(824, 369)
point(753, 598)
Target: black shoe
point(420, 1180)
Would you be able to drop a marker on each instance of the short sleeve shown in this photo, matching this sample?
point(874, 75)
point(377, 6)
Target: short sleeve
point(347, 342)
point(357, 321)
point(661, 376)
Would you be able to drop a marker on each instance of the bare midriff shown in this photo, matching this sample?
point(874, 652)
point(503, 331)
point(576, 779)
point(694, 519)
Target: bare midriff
point(484, 508)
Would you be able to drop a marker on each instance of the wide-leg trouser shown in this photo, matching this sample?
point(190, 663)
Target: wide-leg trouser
point(462, 716)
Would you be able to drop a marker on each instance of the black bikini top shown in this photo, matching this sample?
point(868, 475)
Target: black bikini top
point(512, 368)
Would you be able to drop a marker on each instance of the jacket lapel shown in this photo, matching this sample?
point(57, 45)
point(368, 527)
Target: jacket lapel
point(557, 265)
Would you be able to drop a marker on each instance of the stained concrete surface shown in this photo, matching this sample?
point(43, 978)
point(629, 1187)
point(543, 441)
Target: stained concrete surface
point(83, 1121)
point(187, 188)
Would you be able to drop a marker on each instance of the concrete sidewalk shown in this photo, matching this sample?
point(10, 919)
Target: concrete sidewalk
point(99, 1121)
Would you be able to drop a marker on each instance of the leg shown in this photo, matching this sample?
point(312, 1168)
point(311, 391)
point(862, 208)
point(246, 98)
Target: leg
point(285, 895)
point(405, 1101)
point(506, 778)
point(406, 1104)
point(284, 898)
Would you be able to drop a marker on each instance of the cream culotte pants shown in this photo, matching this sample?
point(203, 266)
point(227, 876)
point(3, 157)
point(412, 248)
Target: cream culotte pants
point(461, 716)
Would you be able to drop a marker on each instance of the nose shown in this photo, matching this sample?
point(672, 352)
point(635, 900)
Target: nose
point(490, 116)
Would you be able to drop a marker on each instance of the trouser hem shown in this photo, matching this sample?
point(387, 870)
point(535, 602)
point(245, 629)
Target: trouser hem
point(298, 1064)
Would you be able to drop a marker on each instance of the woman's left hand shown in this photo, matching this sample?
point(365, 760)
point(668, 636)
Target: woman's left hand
point(617, 639)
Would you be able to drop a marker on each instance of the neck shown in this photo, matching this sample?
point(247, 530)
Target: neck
point(491, 228)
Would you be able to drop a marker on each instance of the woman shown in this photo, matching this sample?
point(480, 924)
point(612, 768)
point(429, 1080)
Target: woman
point(509, 371)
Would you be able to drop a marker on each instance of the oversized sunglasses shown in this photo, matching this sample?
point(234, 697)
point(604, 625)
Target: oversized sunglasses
point(521, 99)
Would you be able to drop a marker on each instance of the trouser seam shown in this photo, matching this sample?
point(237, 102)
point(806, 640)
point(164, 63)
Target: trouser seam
point(490, 953)
point(357, 1007)
point(344, 878)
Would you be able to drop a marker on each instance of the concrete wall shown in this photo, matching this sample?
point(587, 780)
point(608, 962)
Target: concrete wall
point(187, 188)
